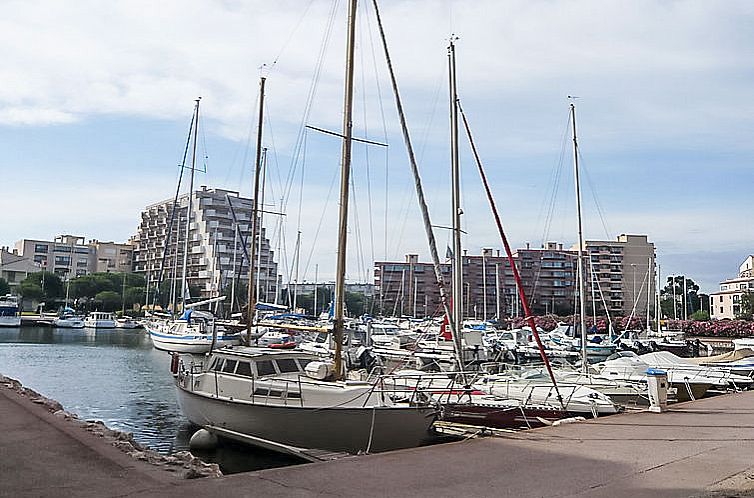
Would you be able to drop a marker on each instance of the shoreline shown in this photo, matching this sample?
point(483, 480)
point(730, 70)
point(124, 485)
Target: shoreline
point(182, 464)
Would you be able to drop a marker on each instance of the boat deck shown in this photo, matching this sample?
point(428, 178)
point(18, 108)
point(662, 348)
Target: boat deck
point(699, 448)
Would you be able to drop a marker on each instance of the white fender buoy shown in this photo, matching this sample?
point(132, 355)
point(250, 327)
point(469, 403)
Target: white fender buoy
point(203, 440)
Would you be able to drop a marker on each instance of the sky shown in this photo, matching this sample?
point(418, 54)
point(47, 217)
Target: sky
point(97, 98)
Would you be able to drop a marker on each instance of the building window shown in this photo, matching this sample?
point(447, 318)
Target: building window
point(721, 309)
point(736, 299)
point(42, 260)
point(721, 300)
point(63, 260)
point(41, 248)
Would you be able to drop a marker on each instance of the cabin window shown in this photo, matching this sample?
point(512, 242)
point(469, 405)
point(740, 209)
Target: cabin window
point(243, 368)
point(230, 366)
point(265, 368)
point(287, 365)
point(217, 364)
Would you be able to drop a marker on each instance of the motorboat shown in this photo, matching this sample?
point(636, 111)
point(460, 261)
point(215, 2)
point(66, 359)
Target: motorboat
point(126, 322)
point(283, 400)
point(670, 362)
point(68, 320)
point(738, 361)
point(99, 320)
point(627, 365)
point(194, 332)
point(9, 311)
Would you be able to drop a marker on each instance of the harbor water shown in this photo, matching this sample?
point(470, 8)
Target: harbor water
point(116, 376)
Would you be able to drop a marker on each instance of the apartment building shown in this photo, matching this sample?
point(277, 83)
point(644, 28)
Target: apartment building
point(549, 278)
point(71, 255)
point(219, 232)
point(621, 274)
point(726, 303)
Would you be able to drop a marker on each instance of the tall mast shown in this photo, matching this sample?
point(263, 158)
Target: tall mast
point(580, 262)
point(251, 306)
point(261, 218)
point(456, 203)
point(184, 279)
point(345, 172)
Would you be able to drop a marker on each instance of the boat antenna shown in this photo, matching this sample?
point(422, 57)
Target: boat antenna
point(252, 304)
point(509, 254)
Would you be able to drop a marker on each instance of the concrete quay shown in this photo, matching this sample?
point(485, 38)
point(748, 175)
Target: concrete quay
point(700, 448)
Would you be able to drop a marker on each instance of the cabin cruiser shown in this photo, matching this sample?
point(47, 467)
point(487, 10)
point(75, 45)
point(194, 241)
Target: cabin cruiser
point(627, 365)
point(284, 400)
point(99, 320)
point(670, 362)
point(68, 320)
point(194, 332)
point(9, 315)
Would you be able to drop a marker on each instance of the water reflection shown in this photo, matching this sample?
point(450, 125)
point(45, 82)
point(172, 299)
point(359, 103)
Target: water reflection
point(114, 375)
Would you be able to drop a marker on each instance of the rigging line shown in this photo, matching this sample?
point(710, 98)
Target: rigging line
point(509, 253)
point(247, 146)
point(290, 36)
point(597, 203)
point(182, 167)
point(314, 85)
point(420, 193)
point(364, 20)
point(321, 220)
point(556, 175)
point(357, 229)
point(273, 147)
point(384, 130)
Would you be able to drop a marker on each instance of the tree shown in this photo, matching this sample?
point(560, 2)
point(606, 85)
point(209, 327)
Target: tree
point(700, 316)
point(674, 289)
point(108, 300)
point(4, 287)
point(746, 306)
point(42, 285)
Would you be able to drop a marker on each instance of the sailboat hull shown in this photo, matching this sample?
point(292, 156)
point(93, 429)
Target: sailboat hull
point(350, 430)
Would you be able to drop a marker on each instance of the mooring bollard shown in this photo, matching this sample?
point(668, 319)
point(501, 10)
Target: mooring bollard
point(657, 382)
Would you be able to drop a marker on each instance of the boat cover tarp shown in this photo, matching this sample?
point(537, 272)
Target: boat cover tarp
point(738, 354)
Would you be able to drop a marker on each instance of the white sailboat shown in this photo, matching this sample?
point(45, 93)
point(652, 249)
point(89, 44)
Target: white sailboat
point(194, 331)
point(287, 401)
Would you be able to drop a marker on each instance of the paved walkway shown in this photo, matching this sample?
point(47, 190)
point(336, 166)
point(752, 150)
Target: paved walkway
point(701, 448)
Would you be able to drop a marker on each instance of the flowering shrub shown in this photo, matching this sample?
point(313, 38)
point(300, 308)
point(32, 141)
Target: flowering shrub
point(719, 328)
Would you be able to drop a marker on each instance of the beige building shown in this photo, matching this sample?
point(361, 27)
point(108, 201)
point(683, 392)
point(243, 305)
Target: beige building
point(621, 274)
point(214, 245)
point(71, 255)
point(15, 268)
point(726, 303)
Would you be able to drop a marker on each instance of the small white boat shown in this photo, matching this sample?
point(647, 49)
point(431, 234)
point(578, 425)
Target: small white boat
point(191, 333)
point(9, 314)
point(127, 322)
point(68, 321)
point(99, 320)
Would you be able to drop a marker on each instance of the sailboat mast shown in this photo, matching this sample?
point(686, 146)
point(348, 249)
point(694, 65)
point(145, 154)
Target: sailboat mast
point(251, 306)
point(345, 172)
point(184, 279)
point(456, 202)
point(580, 262)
